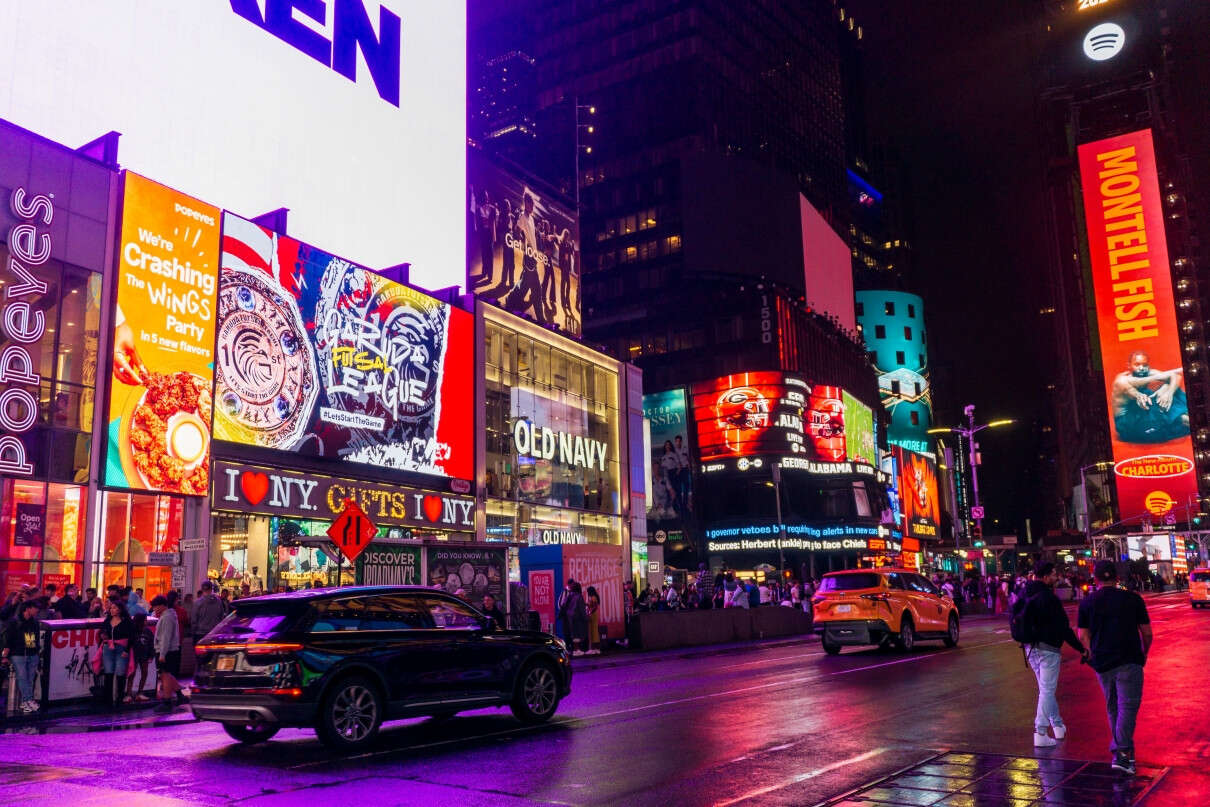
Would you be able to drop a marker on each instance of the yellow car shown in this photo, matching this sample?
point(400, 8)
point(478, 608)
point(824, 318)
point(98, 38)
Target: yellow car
point(881, 606)
point(1199, 587)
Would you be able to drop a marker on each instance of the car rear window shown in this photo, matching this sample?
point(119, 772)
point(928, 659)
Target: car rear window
point(849, 582)
point(1201, 577)
point(254, 622)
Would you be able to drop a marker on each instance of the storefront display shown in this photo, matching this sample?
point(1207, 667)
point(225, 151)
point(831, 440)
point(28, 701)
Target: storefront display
point(473, 571)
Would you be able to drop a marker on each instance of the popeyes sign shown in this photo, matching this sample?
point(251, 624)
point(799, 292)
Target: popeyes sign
point(278, 492)
point(24, 324)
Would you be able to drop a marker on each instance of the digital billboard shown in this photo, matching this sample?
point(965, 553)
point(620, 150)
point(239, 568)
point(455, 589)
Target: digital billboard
point(323, 357)
point(159, 402)
point(671, 477)
point(918, 493)
point(1140, 344)
point(350, 113)
point(522, 247)
point(860, 445)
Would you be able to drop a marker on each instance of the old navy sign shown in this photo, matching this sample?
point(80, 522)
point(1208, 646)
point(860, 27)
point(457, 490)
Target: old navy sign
point(278, 492)
point(294, 21)
point(548, 444)
point(24, 323)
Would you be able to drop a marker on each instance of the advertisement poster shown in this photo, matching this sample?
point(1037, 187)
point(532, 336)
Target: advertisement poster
point(72, 643)
point(323, 357)
point(918, 492)
point(385, 564)
point(1136, 317)
point(542, 596)
point(472, 571)
point(31, 524)
point(826, 423)
point(749, 414)
point(159, 402)
point(599, 566)
point(860, 445)
point(522, 247)
point(671, 477)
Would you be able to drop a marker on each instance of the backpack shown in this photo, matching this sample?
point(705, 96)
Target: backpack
point(1022, 622)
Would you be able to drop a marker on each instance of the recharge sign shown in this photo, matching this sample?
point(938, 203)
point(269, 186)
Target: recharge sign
point(1140, 345)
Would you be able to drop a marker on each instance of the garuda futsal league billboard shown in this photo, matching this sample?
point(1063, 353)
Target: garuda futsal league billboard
point(1140, 343)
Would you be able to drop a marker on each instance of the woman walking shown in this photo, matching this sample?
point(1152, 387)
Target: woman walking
point(592, 606)
point(116, 633)
point(142, 644)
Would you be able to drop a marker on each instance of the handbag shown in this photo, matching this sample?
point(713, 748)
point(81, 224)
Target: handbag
point(96, 661)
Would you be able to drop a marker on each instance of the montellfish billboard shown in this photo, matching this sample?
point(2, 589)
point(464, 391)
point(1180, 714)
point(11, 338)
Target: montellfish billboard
point(1136, 316)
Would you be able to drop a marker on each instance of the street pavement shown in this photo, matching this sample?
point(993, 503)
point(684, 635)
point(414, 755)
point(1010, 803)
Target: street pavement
point(772, 724)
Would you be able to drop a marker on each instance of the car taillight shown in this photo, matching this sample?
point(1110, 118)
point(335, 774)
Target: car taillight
point(876, 597)
point(251, 648)
point(818, 599)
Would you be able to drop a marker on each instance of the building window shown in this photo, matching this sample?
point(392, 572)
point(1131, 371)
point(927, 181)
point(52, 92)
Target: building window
point(890, 309)
point(907, 332)
point(911, 311)
point(921, 357)
point(915, 418)
point(919, 389)
point(880, 332)
point(894, 387)
point(900, 359)
point(860, 309)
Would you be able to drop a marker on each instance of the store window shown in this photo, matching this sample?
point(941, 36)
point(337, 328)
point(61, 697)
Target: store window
point(43, 538)
point(133, 525)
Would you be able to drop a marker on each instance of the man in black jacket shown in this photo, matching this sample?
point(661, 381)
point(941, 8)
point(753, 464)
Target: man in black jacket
point(1049, 628)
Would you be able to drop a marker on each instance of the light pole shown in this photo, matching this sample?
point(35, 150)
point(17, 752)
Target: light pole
point(969, 432)
point(781, 529)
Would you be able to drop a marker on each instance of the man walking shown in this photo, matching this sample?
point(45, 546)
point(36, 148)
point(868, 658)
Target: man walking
point(208, 611)
point(167, 652)
point(21, 650)
point(1115, 626)
point(1048, 629)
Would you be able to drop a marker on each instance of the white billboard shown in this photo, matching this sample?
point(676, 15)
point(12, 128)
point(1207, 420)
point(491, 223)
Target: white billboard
point(351, 113)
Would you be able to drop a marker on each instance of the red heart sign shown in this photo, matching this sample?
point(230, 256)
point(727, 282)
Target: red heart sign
point(254, 485)
point(432, 507)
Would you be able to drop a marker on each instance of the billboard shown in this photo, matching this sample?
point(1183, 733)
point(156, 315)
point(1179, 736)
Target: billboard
point(350, 113)
point(323, 357)
point(918, 493)
point(671, 478)
point(159, 402)
point(860, 445)
point(522, 247)
point(1136, 317)
point(827, 267)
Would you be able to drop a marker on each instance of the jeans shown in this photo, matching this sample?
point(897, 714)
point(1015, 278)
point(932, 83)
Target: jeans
point(27, 673)
point(114, 660)
point(1123, 688)
point(1045, 664)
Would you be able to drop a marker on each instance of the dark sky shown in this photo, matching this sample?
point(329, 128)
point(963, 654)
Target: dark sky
point(953, 88)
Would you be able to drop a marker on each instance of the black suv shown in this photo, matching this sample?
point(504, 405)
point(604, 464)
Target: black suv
point(343, 660)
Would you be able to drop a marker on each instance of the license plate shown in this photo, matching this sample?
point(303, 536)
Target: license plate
point(225, 663)
point(843, 609)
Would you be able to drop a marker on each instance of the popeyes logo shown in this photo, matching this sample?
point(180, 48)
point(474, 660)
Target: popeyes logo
point(1154, 466)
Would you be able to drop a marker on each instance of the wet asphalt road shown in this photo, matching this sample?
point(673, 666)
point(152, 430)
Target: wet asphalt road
point(778, 725)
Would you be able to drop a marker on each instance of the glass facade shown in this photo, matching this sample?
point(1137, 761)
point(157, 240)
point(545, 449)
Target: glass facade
point(133, 525)
point(552, 450)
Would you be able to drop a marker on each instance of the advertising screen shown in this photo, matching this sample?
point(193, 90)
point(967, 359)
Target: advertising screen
point(918, 493)
point(860, 445)
point(1140, 343)
point(350, 113)
point(671, 477)
point(159, 402)
point(749, 414)
point(323, 357)
point(522, 247)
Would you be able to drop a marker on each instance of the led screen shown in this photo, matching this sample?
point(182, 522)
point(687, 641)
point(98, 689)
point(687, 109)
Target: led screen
point(350, 113)
point(522, 247)
point(671, 477)
point(159, 403)
point(323, 357)
point(860, 445)
point(1140, 343)
point(918, 493)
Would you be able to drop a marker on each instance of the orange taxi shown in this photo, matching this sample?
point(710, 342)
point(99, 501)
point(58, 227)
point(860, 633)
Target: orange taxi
point(880, 607)
point(1199, 587)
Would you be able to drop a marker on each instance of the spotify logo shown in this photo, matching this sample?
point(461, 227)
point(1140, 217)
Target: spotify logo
point(1104, 41)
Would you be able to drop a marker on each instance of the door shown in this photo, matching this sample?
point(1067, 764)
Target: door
point(931, 607)
point(482, 662)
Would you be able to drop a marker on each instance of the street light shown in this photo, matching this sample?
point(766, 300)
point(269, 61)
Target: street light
point(969, 432)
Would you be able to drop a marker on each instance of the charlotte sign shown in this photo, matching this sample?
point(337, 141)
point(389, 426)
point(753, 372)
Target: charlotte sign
point(278, 492)
point(1136, 317)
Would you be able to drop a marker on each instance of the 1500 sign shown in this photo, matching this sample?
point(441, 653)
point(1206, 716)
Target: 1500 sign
point(288, 493)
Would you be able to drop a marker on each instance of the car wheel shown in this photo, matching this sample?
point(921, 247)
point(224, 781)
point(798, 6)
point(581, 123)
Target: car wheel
point(907, 634)
point(350, 715)
point(537, 694)
point(831, 648)
point(951, 635)
point(250, 733)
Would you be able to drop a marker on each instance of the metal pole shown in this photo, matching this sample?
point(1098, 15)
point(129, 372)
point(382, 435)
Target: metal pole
point(970, 436)
point(1087, 512)
point(781, 529)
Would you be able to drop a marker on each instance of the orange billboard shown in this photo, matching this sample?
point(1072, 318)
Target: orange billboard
point(163, 346)
point(1136, 316)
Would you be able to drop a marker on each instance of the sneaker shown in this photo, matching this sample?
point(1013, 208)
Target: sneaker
point(1123, 764)
point(1044, 741)
point(34, 706)
point(1059, 731)
point(27, 707)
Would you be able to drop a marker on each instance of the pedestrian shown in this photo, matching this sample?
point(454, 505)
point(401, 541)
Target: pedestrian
point(167, 653)
point(225, 599)
point(764, 594)
point(208, 611)
point(116, 634)
point(69, 605)
point(738, 597)
point(672, 598)
point(1115, 626)
point(1043, 629)
point(491, 609)
point(592, 608)
point(753, 593)
point(705, 586)
point(142, 645)
point(21, 648)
